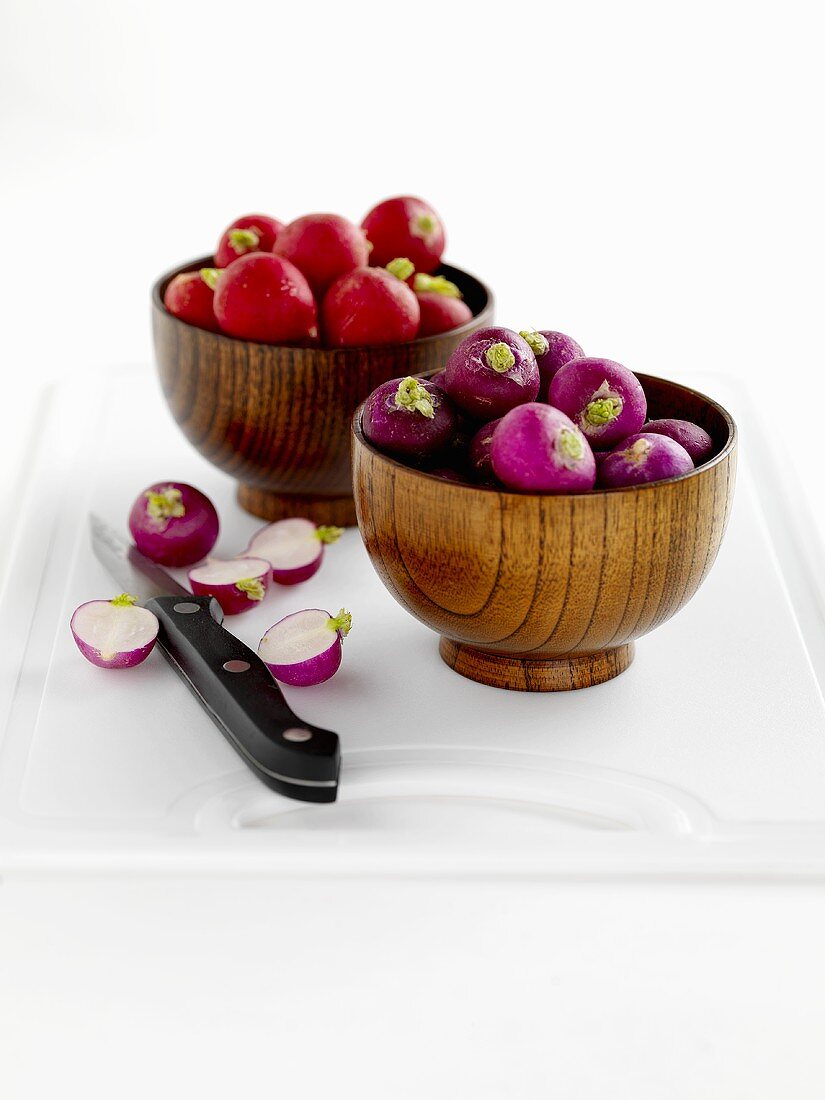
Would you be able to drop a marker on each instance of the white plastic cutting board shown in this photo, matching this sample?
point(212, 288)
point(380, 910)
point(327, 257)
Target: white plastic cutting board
point(707, 756)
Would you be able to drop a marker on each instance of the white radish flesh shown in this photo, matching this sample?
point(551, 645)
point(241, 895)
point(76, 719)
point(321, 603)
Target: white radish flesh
point(237, 585)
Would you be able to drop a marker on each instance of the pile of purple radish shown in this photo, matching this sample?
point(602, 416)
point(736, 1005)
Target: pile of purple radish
point(175, 524)
point(531, 413)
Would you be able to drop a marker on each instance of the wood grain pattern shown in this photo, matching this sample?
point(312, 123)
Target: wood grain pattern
point(278, 418)
point(547, 593)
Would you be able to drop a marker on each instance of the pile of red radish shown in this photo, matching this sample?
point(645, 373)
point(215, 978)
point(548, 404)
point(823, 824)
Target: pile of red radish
point(324, 280)
point(530, 412)
point(174, 524)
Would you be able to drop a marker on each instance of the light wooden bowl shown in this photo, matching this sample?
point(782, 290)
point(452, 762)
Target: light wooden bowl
point(278, 418)
point(547, 593)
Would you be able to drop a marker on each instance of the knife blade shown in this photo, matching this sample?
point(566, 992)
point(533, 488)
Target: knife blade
point(228, 679)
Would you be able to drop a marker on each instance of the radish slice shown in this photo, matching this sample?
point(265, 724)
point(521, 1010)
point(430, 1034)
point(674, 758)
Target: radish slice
point(293, 547)
point(237, 585)
point(305, 648)
point(114, 633)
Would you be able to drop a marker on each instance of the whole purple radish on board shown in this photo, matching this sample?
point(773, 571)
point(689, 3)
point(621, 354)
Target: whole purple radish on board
point(294, 548)
point(537, 449)
point(694, 439)
point(552, 350)
point(238, 585)
point(305, 648)
point(173, 523)
point(114, 633)
point(641, 458)
point(491, 372)
point(409, 416)
point(481, 462)
point(604, 399)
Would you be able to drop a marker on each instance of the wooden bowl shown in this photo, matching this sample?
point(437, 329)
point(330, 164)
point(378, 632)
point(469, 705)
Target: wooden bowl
point(547, 593)
point(278, 418)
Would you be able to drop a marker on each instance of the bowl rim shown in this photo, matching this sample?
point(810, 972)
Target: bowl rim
point(726, 451)
point(160, 284)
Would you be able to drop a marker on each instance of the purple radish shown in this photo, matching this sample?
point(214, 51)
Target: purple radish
point(447, 473)
point(409, 416)
point(293, 547)
point(603, 398)
point(481, 462)
point(305, 648)
point(694, 439)
point(641, 458)
point(114, 633)
point(552, 350)
point(173, 523)
point(600, 456)
point(491, 372)
point(537, 449)
point(237, 585)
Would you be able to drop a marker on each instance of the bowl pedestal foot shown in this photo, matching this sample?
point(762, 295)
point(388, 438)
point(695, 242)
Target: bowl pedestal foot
point(579, 670)
point(270, 505)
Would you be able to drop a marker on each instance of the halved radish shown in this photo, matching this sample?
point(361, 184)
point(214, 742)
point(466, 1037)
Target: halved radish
point(114, 633)
point(305, 648)
point(293, 547)
point(237, 585)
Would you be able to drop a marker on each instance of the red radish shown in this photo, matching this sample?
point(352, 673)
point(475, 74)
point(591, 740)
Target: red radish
point(114, 633)
point(537, 449)
point(441, 314)
point(694, 439)
point(409, 416)
point(237, 585)
point(552, 351)
point(173, 523)
point(481, 461)
point(491, 372)
point(305, 648)
point(323, 247)
point(643, 457)
point(603, 398)
point(405, 226)
point(294, 548)
point(190, 295)
point(266, 298)
point(250, 233)
point(369, 306)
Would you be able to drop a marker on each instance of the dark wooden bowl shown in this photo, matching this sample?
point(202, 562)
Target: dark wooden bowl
point(278, 418)
point(547, 593)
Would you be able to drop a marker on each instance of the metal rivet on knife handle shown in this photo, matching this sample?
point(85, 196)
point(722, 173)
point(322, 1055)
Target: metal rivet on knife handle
point(297, 735)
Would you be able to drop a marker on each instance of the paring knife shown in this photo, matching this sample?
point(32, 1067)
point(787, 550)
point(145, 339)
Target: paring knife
point(232, 683)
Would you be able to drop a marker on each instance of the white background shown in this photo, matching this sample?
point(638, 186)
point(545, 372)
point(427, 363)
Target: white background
point(645, 176)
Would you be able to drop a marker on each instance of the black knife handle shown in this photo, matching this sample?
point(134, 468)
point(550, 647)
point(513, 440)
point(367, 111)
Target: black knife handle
point(239, 693)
